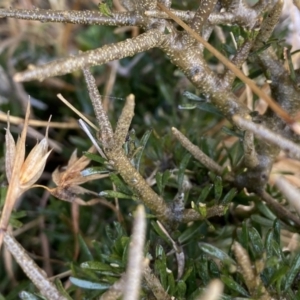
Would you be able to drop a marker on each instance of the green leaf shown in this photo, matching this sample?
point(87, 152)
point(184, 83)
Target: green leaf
point(187, 273)
point(105, 7)
point(292, 272)
point(190, 232)
point(202, 268)
point(204, 193)
point(160, 269)
point(182, 168)
point(3, 191)
point(256, 242)
point(229, 196)
point(158, 177)
point(268, 243)
point(160, 232)
point(233, 285)
point(93, 170)
point(276, 227)
point(27, 296)
point(85, 284)
point(230, 132)
point(142, 145)
point(216, 252)
point(187, 106)
point(261, 220)
point(279, 274)
point(262, 207)
point(61, 289)
point(218, 187)
point(181, 289)
point(85, 251)
point(165, 178)
point(115, 194)
point(95, 157)
point(97, 266)
point(171, 283)
point(209, 108)
point(192, 96)
point(120, 184)
point(243, 235)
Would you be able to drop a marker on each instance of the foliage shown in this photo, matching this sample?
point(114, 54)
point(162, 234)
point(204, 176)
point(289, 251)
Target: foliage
point(195, 155)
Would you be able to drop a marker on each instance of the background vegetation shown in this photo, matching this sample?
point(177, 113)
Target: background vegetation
point(84, 249)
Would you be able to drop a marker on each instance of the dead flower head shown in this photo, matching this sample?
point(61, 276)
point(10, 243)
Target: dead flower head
point(21, 173)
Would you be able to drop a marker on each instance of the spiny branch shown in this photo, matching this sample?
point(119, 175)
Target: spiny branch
point(130, 47)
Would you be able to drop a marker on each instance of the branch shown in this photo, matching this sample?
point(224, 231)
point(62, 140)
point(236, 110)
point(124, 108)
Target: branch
point(199, 155)
point(190, 215)
point(283, 114)
point(250, 155)
point(130, 47)
point(154, 285)
point(252, 280)
point(290, 192)
point(124, 122)
point(202, 14)
point(135, 266)
point(31, 269)
point(267, 135)
point(74, 17)
point(282, 213)
point(106, 131)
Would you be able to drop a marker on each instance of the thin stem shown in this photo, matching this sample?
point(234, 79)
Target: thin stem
point(106, 131)
point(282, 213)
point(190, 215)
point(252, 280)
point(202, 14)
point(154, 285)
point(197, 153)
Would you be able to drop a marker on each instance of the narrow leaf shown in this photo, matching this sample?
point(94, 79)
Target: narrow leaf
point(215, 252)
point(85, 284)
point(218, 187)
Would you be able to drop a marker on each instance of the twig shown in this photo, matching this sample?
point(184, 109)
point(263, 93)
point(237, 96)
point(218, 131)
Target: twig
point(124, 122)
point(268, 135)
point(129, 47)
point(31, 269)
point(154, 285)
point(282, 213)
point(135, 266)
point(213, 290)
point(106, 131)
point(290, 192)
point(198, 154)
point(283, 114)
point(252, 280)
